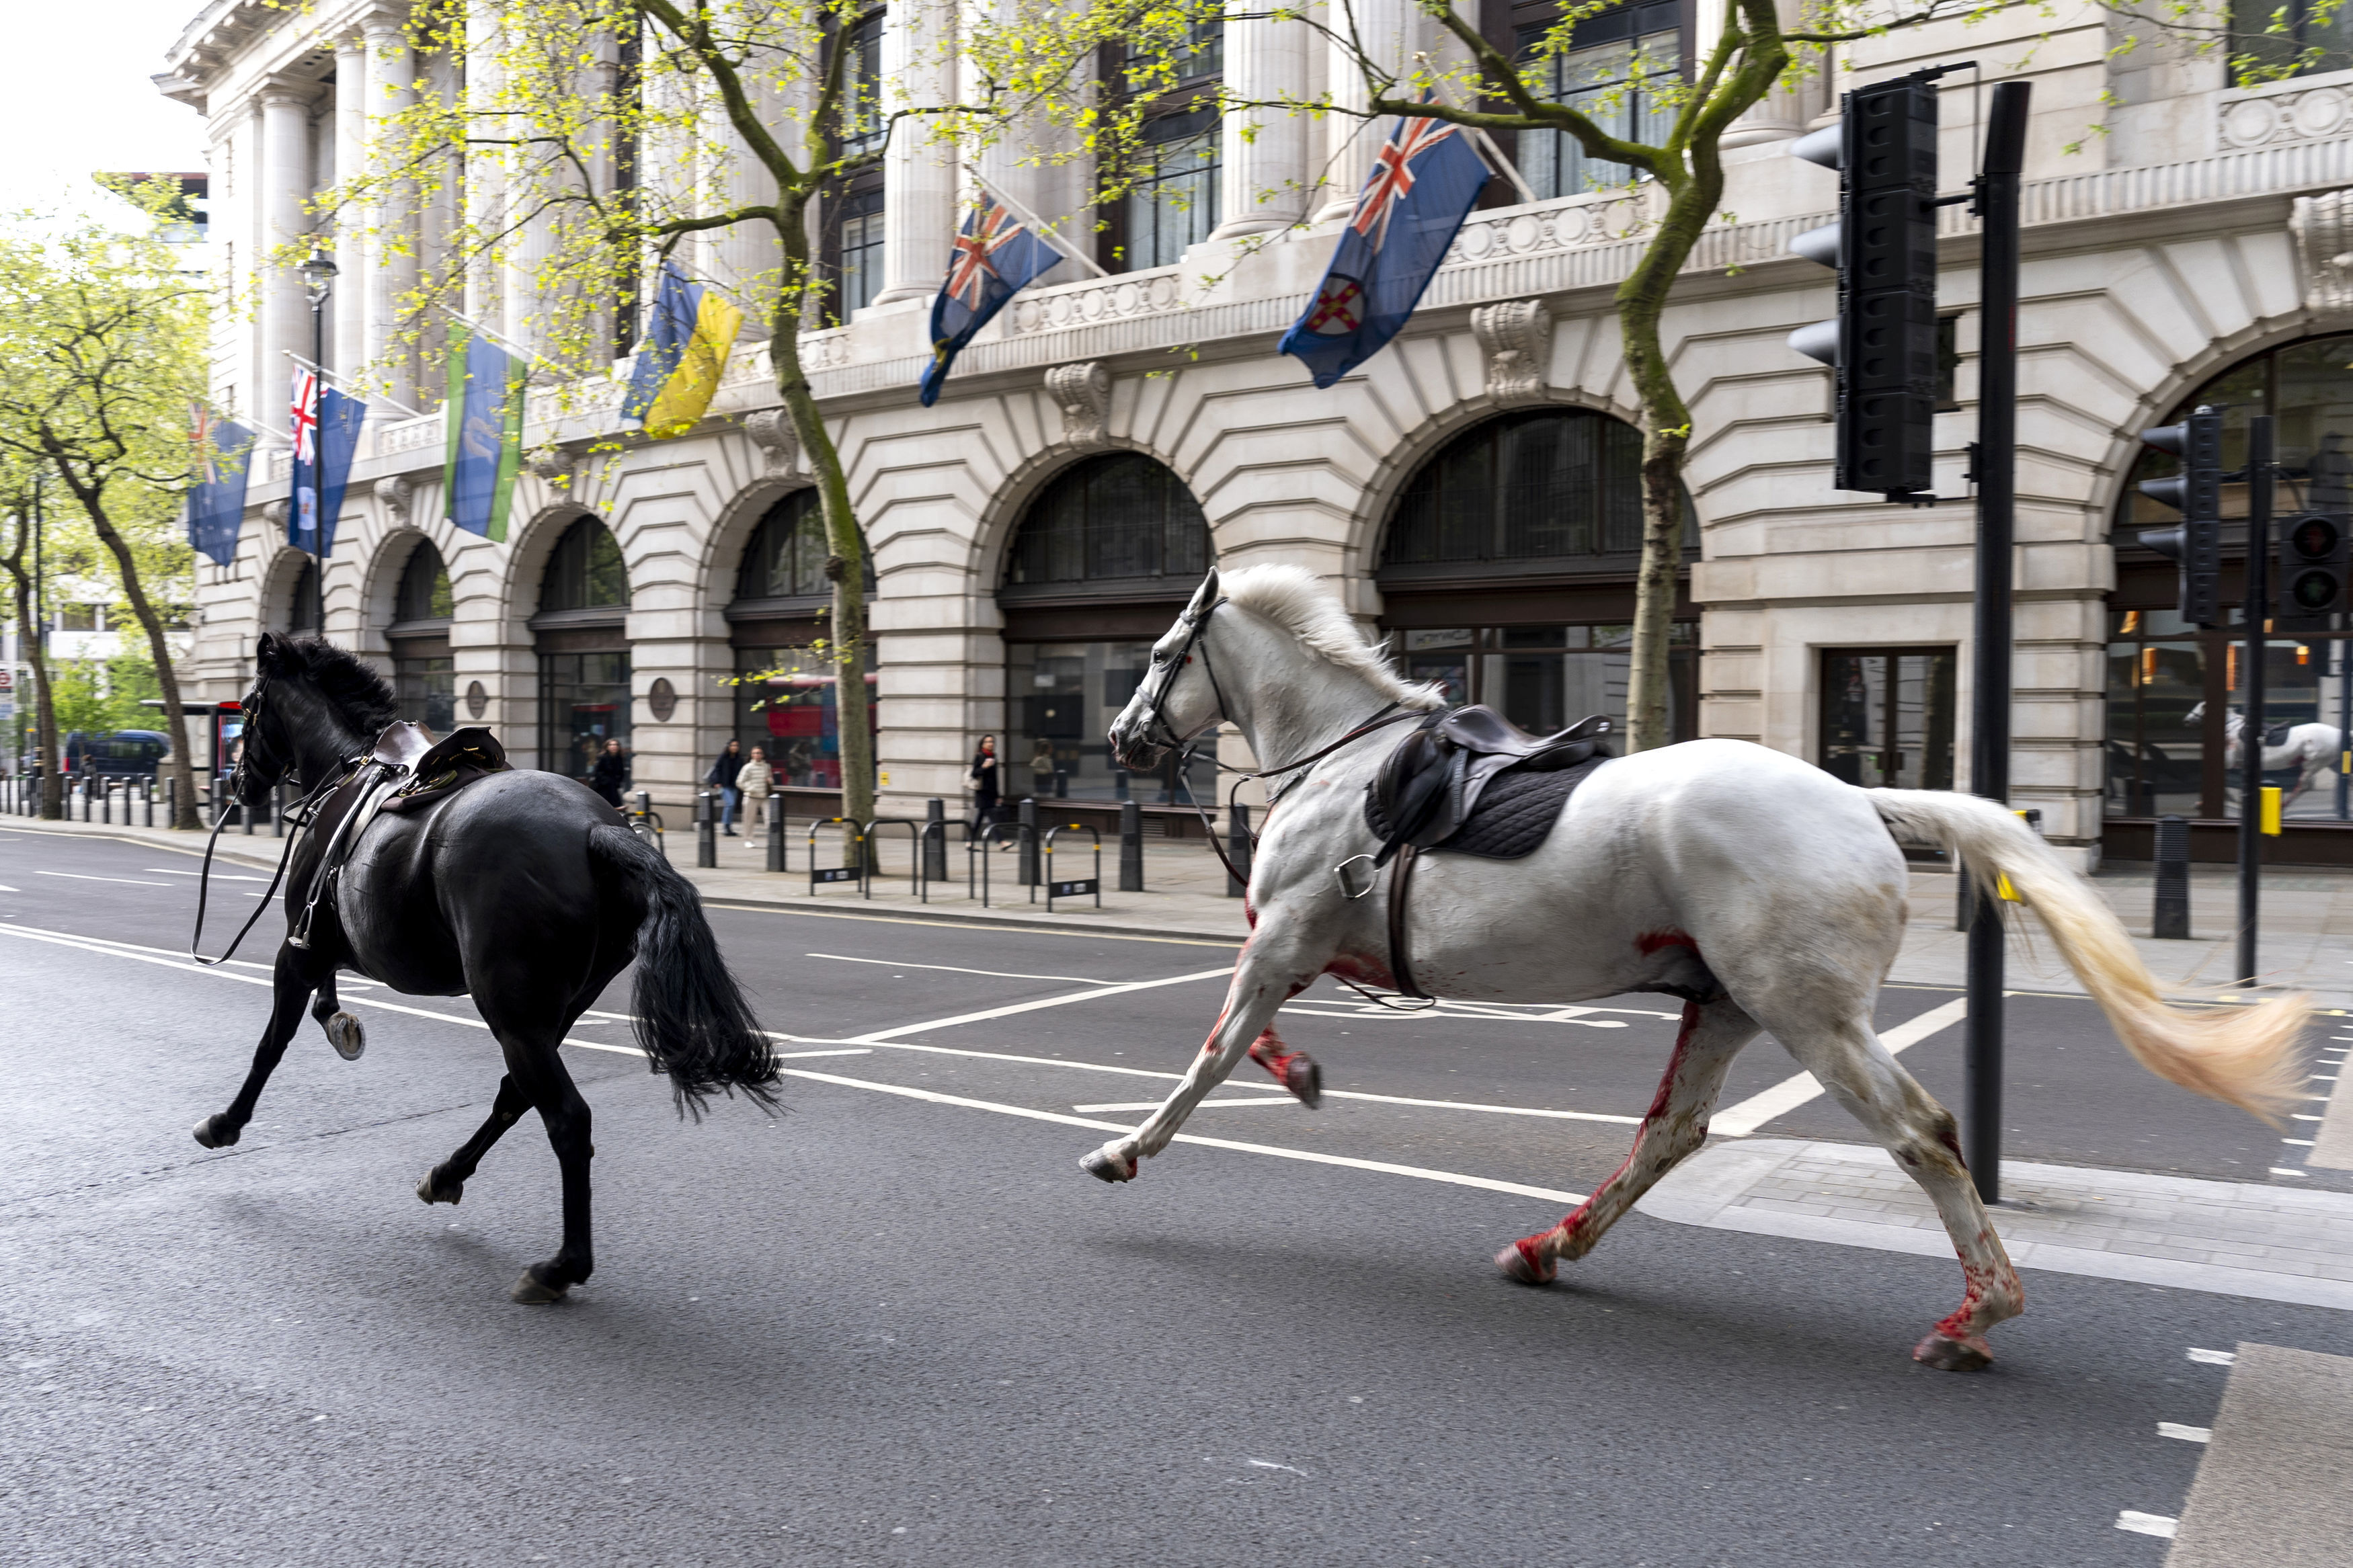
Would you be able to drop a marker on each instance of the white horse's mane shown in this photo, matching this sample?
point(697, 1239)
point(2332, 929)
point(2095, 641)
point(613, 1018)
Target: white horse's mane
point(1296, 599)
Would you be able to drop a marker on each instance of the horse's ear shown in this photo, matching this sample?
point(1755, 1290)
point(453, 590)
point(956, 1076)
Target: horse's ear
point(1203, 596)
point(267, 657)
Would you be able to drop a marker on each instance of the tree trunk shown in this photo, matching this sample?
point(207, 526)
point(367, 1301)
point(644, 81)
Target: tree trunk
point(845, 547)
point(45, 714)
point(175, 720)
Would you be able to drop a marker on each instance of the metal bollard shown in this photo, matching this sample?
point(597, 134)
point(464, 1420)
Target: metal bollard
point(1238, 850)
point(776, 809)
point(171, 800)
point(935, 840)
point(85, 797)
point(147, 802)
point(2171, 917)
point(1027, 853)
point(105, 800)
point(1131, 846)
point(278, 811)
point(706, 829)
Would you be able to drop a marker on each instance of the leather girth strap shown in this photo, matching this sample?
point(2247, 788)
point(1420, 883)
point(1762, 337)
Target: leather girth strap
point(1400, 963)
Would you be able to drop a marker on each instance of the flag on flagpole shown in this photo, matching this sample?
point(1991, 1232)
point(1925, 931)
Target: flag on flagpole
point(995, 258)
point(302, 425)
point(340, 418)
point(1423, 186)
point(484, 433)
point(216, 499)
point(688, 337)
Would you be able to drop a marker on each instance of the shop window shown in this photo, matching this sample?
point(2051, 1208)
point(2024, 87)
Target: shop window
point(1887, 717)
point(424, 591)
point(427, 690)
point(787, 705)
point(1547, 678)
point(786, 558)
point(1549, 485)
point(585, 572)
point(583, 701)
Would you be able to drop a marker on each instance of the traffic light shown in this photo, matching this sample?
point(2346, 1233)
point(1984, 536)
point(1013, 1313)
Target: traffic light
point(2195, 544)
point(2315, 579)
point(1882, 344)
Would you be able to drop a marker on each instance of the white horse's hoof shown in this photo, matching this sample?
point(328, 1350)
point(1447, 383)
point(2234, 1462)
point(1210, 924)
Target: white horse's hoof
point(343, 1033)
point(1106, 1166)
point(1523, 1262)
point(1968, 1353)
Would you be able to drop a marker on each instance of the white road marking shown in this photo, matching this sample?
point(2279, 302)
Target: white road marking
point(2299, 1142)
point(2214, 1358)
point(1206, 1105)
point(882, 1036)
point(1453, 1178)
point(2286, 1171)
point(952, 969)
point(2187, 1434)
point(217, 875)
point(6, 889)
point(1468, 1012)
point(1790, 1093)
point(2139, 1523)
point(77, 877)
point(1230, 944)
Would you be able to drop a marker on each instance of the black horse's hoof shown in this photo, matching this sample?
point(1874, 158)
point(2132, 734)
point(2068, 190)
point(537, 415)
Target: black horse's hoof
point(437, 1188)
point(217, 1132)
point(1302, 1078)
point(1104, 1168)
point(539, 1287)
point(343, 1033)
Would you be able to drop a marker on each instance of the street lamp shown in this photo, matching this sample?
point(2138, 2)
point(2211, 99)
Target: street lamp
point(318, 271)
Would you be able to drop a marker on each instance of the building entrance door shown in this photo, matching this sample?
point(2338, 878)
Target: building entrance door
point(1887, 717)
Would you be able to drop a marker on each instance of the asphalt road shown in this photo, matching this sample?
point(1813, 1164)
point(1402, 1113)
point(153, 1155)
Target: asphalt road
point(882, 1327)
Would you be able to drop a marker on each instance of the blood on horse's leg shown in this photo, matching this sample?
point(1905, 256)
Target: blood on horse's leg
point(1676, 1124)
point(1295, 1070)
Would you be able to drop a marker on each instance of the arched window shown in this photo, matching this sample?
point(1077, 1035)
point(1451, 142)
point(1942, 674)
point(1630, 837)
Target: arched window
point(424, 675)
point(1099, 566)
point(2162, 669)
point(782, 600)
point(302, 599)
point(585, 572)
point(1508, 570)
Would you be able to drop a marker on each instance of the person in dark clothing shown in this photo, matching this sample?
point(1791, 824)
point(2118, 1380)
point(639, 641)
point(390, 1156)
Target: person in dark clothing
point(721, 777)
point(611, 775)
point(983, 777)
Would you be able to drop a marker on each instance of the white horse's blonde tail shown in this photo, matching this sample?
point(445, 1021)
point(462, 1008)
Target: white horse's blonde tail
point(2244, 1057)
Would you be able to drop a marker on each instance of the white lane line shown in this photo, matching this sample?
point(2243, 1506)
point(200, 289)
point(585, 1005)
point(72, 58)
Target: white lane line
point(2213, 1358)
point(1452, 1178)
point(2139, 1523)
point(883, 1037)
point(2187, 1434)
point(1790, 1093)
point(217, 875)
point(1231, 943)
point(2287, 1171)
point(1321, 1007)
point(6, 889)
point(953, 969)
point(1206, 1105)
point(132, 881)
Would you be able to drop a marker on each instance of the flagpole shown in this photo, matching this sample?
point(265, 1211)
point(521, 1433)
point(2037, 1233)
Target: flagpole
point(1500, 164)
point(1062, 246)
point(324, 373)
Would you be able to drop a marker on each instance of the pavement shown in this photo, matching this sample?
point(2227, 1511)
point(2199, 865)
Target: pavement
point(899, 1308)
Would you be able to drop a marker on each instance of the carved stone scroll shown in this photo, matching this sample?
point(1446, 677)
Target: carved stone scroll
point(396, 491)
point(2323, 226)
point(1516, 337)
point(1084, 393)
point(772, 431)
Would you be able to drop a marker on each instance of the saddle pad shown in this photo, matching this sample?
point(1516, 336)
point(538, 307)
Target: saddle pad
point(1514, 812)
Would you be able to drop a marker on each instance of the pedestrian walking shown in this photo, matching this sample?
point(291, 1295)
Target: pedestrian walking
point(1041, 769)
point(611, 775)
point(721, 777)
point(983, 775)
point(757, 781)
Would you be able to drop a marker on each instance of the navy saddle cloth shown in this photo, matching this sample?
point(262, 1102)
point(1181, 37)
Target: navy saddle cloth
point(1470, 783)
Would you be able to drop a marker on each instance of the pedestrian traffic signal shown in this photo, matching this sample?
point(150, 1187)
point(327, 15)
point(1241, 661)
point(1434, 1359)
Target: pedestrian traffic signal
point(1882, 344)
point(2195, 544)
point(2315, 579)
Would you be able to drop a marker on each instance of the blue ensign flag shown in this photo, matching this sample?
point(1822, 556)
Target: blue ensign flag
point(995, 257)
point(216, 501)
point(1421, 189)
point(326, 437)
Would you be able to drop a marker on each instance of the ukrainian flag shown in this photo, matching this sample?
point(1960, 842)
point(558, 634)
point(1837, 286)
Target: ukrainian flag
point(682, 356)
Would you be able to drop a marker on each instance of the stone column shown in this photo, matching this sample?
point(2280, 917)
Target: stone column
point(1264, 178)
point(1384, 29)
point(394, 242)
point(1784, 112)
point(919, 174)
point(484, 85)
point(283, 186)
point(347, 331)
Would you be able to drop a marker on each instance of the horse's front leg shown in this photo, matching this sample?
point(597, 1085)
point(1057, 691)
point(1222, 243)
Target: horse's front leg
point(298, 974)
point(1273, 968)
point(343, 1031)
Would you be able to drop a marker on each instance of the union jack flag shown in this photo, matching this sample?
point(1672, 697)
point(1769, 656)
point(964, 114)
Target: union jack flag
point(200, 433)
point(305, 417)
point(1393, 177)
point(970, 265)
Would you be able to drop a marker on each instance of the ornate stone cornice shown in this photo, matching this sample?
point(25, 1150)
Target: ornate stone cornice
point(1084, 393)
point(1516, 337)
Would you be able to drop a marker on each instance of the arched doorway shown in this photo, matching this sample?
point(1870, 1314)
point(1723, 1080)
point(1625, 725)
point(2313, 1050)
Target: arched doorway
point(1507, 571)
point(584, 653)
point(300, 618)
point(423, 675)
point(2161, 668)
point(785, 685)
point(1100, 564)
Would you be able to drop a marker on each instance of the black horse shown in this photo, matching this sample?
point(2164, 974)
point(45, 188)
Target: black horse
point(522, 889)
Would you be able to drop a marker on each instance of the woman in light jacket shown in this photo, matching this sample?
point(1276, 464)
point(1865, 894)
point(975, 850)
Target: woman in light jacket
point(757, 781)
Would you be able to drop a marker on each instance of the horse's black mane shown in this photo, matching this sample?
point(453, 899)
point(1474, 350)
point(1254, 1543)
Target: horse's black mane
point(354, 691)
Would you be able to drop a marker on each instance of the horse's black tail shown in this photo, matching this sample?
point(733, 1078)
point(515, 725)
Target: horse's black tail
point(693, 1022)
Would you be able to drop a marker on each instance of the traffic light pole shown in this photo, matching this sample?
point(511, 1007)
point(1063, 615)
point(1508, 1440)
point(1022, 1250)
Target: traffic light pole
point(1995, 469)
point(2256, 614)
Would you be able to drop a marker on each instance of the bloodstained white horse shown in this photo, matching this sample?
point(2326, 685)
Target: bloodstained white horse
point(2312, 750)
point(1769, 892)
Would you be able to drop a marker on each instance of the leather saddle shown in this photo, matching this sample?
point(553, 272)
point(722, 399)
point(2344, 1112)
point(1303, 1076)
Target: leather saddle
point(406, 768)
point(2276, 734)
point(1430, 783)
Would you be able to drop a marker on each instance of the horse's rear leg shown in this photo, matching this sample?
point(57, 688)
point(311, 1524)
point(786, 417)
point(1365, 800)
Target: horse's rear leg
point(294, 979)
point(538, 1073)
point(445, 1183)
point(1860, 1074)
point(1676, 1124)
point(343, 1031)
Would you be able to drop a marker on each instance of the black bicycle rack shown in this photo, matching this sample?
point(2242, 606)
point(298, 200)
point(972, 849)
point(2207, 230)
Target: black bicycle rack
point(854, 847)
point(914, 853)
point(978, 851)
point(1079, 888)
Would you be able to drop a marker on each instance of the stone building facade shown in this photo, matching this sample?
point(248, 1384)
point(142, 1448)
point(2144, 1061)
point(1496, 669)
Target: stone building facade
point(1107, 434)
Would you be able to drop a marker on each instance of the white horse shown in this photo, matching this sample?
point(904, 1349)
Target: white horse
point(1766, 892)
point(2312, 750)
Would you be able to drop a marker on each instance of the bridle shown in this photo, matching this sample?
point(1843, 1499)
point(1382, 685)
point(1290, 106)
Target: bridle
point(299, 815)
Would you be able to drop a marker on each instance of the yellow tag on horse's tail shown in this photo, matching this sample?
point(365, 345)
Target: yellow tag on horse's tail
point(2001, 887)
